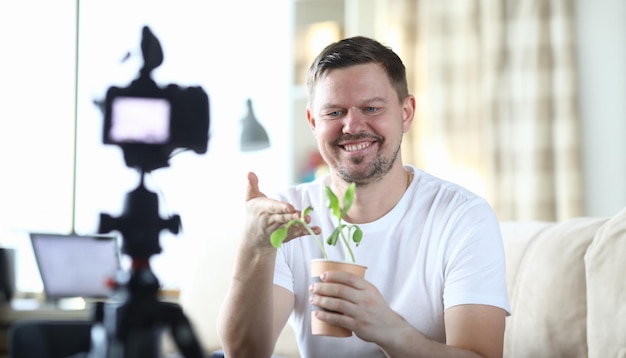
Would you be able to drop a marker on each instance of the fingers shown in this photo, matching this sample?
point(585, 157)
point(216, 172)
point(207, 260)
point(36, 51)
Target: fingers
point(271, 206)
point(299, 230)
point(336, 280)
point(335, 297)
point(265, 215)
point(253, 187)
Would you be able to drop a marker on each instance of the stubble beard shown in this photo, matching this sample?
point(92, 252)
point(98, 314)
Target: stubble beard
point(374, 172)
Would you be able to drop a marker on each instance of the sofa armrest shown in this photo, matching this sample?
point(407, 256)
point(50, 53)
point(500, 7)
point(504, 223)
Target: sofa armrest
point(606, 289)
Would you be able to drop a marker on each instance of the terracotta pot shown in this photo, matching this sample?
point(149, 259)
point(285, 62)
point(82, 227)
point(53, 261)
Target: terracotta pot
point(319, 266)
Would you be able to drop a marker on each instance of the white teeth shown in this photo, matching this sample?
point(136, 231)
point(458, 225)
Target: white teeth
point(355, 147)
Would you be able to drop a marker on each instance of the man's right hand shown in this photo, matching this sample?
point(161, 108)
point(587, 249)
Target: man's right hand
point(264, 215)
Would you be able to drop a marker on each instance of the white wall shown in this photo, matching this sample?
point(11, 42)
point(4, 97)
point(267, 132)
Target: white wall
point(601, 26)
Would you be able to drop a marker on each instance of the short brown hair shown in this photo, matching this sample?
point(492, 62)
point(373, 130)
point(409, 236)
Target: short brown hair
point(355, 51)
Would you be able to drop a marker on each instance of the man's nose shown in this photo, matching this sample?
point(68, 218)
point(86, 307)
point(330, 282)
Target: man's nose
point(355, 121)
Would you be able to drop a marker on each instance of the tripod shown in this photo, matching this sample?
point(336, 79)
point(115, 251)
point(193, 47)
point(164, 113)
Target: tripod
point(148, 122)
point(131, 324)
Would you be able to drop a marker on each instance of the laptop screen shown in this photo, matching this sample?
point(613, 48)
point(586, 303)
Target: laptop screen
point(76, 265)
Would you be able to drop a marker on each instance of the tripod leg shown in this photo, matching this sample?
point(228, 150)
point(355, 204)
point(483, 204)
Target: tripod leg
point(182, 331)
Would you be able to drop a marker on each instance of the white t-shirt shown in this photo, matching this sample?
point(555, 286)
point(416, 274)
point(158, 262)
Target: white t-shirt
point(440, 246)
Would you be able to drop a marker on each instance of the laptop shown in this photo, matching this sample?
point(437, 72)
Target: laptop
point(76, 265)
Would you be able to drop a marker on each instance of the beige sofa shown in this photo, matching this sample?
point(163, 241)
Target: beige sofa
point(567, 284)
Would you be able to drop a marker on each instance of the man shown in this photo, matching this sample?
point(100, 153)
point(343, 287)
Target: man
point(435, 283)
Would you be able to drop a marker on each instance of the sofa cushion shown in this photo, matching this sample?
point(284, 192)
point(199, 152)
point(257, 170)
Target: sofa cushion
point(546, 281)
point(606, 289)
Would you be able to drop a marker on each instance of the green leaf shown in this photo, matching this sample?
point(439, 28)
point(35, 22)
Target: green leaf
point(348, 198)
point(334, 237)
point(333, 202)
point(358, 235)
point(278, 236)
point(306, 212)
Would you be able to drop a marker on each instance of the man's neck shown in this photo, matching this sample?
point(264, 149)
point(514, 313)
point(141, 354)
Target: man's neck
point(373, 201)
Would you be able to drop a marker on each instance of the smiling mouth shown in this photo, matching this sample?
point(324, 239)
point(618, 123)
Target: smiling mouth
point(356, 147)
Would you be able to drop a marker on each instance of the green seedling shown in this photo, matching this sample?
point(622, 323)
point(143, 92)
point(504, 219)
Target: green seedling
point(344, 232)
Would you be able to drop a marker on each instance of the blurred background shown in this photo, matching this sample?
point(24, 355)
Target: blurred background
point(521, 101)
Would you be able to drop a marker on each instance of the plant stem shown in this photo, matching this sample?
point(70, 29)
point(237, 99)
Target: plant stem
point(317, 240)
point(349, 253)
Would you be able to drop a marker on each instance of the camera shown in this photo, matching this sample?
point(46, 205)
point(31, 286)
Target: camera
point(148, 121)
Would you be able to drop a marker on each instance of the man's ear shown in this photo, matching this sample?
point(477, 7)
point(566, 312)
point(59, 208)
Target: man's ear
point(310, 119)
point(408, 112)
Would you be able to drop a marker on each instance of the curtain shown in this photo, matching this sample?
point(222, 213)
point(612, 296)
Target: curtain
point(495, 82)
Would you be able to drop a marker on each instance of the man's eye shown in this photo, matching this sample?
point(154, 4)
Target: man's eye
point(333, 114)
point(371, 109)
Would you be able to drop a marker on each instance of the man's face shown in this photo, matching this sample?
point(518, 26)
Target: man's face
point(358, 122)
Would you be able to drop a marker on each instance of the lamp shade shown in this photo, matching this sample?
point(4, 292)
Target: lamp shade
point(253, 135)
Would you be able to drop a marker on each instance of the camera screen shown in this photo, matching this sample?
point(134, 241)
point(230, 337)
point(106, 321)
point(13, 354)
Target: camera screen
point(140, 120)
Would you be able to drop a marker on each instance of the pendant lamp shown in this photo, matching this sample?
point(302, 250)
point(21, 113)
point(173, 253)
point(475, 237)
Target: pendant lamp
point(253, 135)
